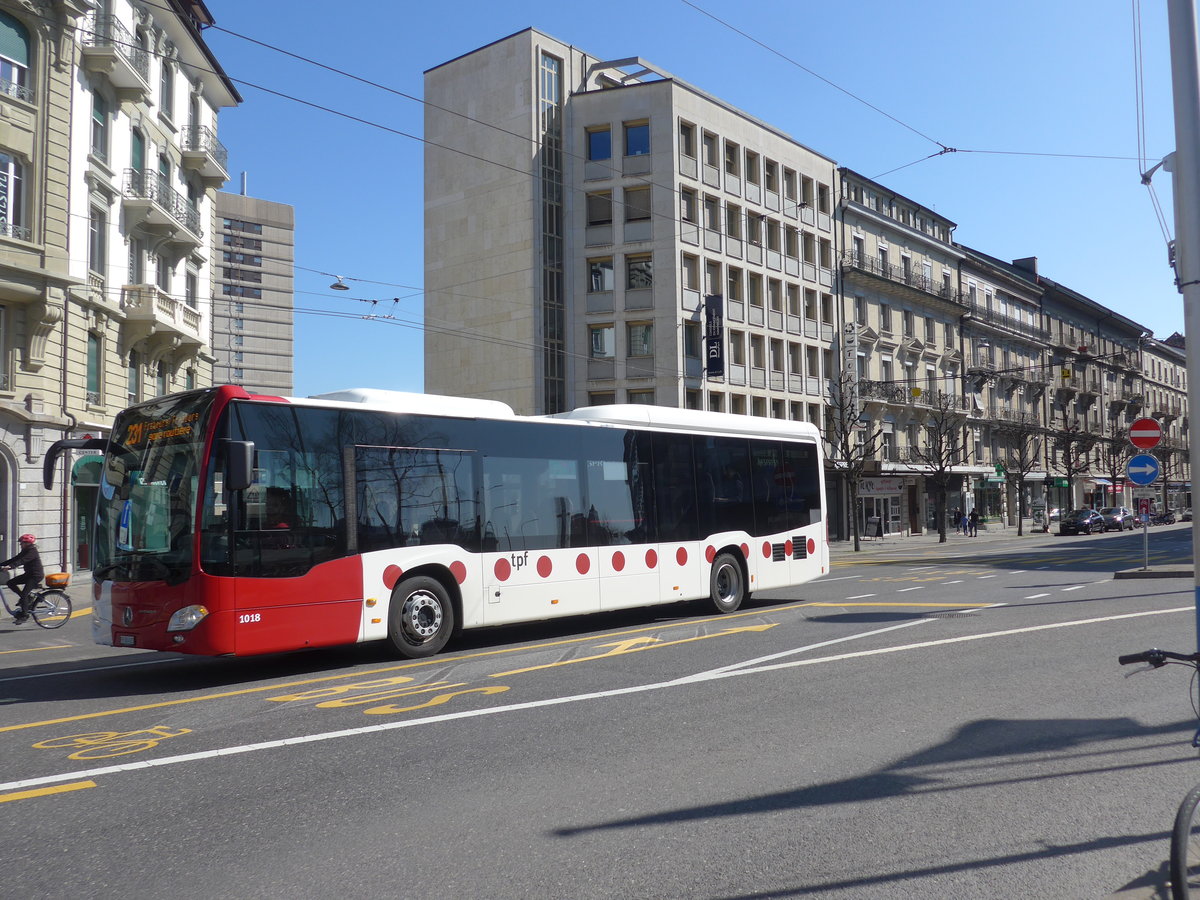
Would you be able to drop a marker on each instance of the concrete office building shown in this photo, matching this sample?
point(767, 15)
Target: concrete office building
point(578, 211)
point(253, 296)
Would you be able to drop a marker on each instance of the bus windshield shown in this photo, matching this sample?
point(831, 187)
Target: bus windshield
point(146, 513)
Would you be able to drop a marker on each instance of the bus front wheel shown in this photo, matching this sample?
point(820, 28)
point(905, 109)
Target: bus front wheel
point(421, 618)
point(727, 583)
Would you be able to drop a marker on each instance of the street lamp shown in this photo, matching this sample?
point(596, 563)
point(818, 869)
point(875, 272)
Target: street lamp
point(339, 285)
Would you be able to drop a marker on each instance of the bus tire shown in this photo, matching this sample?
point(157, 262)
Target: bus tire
point(726, 583)
point(421, 617)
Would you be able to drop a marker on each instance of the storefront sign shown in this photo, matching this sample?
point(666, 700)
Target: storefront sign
point(873, 486)
point(714, 335)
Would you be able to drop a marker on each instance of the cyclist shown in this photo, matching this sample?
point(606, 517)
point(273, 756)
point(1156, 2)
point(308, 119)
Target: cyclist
point(23, 584)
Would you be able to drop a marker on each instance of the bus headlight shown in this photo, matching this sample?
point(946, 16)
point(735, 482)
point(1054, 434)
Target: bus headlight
point(187, 618)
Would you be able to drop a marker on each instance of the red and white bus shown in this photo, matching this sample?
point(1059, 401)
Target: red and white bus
point(231, 523)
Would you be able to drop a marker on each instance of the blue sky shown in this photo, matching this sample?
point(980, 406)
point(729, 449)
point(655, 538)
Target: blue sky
point(1022, 90)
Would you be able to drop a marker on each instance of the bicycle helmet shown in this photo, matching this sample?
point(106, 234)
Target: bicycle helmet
point(27, 539)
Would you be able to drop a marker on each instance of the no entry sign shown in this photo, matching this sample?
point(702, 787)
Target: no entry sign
point(1145, 433)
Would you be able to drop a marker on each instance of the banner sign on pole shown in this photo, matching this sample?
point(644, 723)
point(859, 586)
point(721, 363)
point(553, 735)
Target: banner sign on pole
point(714, 335)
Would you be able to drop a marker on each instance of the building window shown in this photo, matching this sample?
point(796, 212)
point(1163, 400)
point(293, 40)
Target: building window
point(687, 139)
point(599, 208)
point(99, 146)
point(239, 323)
point(601, 398)
point(644, 397)
point(691, 272)
point(885, 318)
point(97, 241)
point(691, 339)
point(602, 341)
point(93, 368)
point(160, 379)
point(135, 377)
point(637, 204)
point(189, 381)
point(637, 138)
point(733, 161)
point(600, 275)
point(191, 289)
point(687, 205)
point(164, 273)
point(166, 90)
point(239, 374)
point(599, 144)
point(639, 272)
point(14, 58)
point(12, 197)
point(640, 338)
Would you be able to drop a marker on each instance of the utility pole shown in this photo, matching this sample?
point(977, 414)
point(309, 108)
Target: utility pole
point(1185, 177)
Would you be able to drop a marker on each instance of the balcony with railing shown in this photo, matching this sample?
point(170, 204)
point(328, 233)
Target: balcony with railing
point(204, 154)
point(110, 50)
point(900, 277)
point(149, 310)
point(150, 202)
point(981, 313)
point(17, 91)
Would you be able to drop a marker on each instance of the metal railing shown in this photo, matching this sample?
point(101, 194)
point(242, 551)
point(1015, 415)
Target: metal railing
point(152, 186)
point(107, 31)
point(19, 91)
point(923, 283)
point(20, 232)
point(204, 140)
point(983, 314)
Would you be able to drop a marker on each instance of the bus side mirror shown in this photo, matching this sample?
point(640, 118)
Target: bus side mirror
point(239, 465)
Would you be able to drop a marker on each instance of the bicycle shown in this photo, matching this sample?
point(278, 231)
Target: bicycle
point(50, 606)
point(1185, 835)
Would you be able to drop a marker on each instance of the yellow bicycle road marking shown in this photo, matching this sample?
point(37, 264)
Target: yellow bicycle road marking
point(42, 792)
point(433, 661)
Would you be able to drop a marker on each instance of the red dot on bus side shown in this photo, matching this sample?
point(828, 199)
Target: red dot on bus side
point(812, 546)
point(459, 571)
point(582, 563)
point(745, 551)
point(391, 575)
point(503, 570)
point(651, 559)
point(681, 556)
point(544, 566)
point(787, 548)
point(618, 561)
point(710, 553)
point(766, 549)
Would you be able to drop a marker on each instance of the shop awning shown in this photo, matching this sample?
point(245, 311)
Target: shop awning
point(1101, 481)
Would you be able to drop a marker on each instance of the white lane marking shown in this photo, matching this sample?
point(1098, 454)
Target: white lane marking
point(981, 577)
point(1075, 588)
point(56, 674)
point(918, 568)
point(956, 581)
point(905, 590)
point(860, 596)
point(428, 720)
point(1036, 596)
point(724, 672)
point(841, 578)
point(1016, 572)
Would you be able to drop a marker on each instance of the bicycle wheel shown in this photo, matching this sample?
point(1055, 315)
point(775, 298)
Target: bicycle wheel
point(51, 609)
point(1185, 847)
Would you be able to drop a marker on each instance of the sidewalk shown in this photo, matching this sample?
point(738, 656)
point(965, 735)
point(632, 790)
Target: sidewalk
point(891, 542)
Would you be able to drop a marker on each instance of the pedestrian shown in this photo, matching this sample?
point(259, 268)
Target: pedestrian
point(962, 524)
point(23, 584)
point(974, 520)
point(958, 521)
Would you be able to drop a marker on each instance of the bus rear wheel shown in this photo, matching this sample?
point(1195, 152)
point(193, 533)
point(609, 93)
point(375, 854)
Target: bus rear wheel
point(726, 583)
point(421, 618)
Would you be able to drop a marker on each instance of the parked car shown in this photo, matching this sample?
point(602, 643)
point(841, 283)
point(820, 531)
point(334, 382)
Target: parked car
point(1081, 521)
point(1118, 518)
point(1186, 515)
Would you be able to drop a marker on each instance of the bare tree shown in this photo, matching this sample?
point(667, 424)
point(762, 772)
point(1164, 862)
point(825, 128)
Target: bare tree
point(1114, 450)
point(851, 442)
point(1073, 448)
point(943, 449)
point(1022, 454)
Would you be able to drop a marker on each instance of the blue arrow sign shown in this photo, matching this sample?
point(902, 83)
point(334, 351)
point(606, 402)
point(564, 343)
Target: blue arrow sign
point(1142, 469)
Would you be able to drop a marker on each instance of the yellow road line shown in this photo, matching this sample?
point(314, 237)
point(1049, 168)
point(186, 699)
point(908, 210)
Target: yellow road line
point(946, 605)
point(42, 792)
point(434, 661)
point(36, 649)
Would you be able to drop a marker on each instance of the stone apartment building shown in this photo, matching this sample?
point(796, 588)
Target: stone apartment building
point(110, 160)
point(579, 212)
